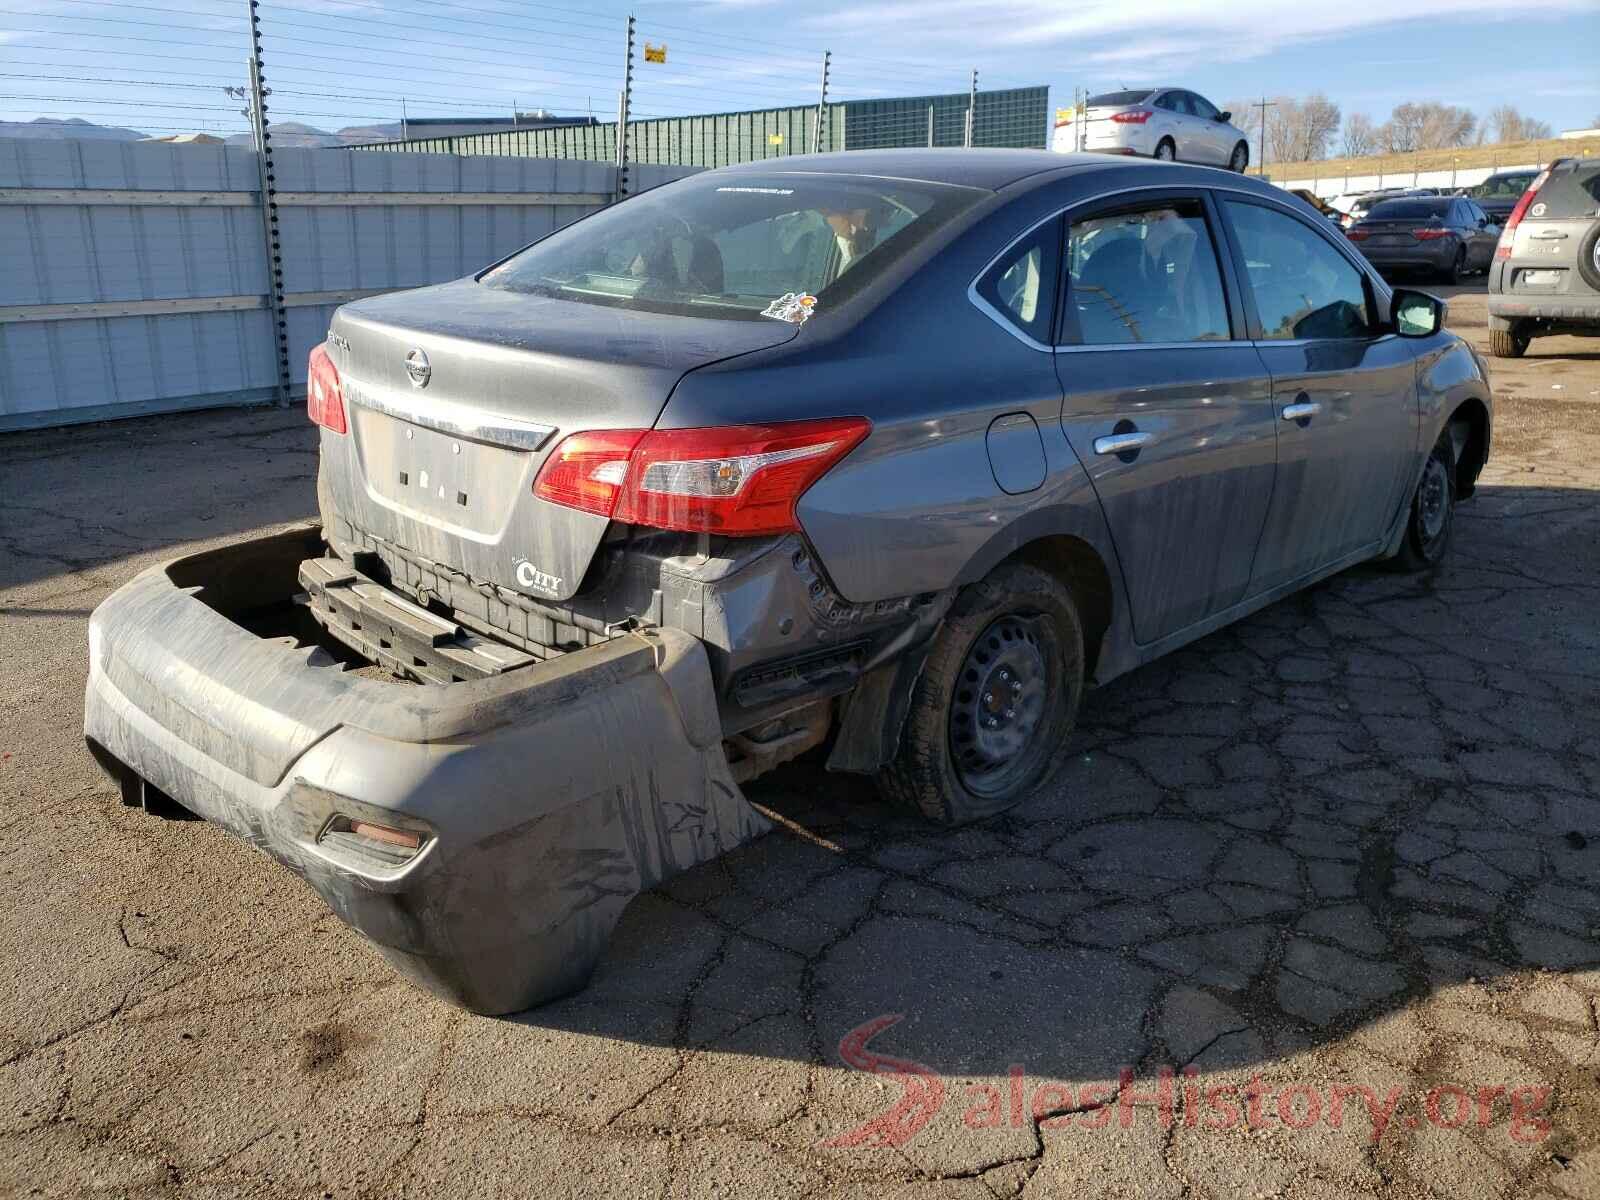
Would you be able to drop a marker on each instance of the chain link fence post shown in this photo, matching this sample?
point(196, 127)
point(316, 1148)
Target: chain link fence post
point(624, 97)
point(269, 206)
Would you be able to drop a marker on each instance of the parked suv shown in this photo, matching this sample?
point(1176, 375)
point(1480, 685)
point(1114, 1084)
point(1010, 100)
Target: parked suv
point(1170, 124)
point(1498, 194)
point(1545, 278)
point(890, 452)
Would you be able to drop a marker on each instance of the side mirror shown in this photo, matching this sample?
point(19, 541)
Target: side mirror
point(1417, 314)
point(1224, 117)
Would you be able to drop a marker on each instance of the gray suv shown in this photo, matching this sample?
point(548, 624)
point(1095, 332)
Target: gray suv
point(1545, 277)
point(894, 454)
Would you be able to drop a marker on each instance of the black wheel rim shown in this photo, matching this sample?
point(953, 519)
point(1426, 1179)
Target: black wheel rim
point(1433, 501)
point(1001, 703)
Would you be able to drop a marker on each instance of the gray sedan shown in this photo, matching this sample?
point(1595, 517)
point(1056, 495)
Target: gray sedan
point(1447, 236)
point(893, 453)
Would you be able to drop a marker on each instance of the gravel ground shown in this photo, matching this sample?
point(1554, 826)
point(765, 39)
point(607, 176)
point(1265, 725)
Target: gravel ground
point(1340, 863)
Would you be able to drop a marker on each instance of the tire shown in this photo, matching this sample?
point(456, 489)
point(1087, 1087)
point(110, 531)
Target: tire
point(1433, 507)
point(1589, 258)
point(1458, 266)
point(1166, 151)
point(1010, 655)
point(1509, 343)
point(1240, 159)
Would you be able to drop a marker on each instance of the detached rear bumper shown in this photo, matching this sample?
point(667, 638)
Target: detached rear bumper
point(543, 800)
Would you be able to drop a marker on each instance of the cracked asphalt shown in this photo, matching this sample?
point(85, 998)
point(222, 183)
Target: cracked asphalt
point(1344, 855)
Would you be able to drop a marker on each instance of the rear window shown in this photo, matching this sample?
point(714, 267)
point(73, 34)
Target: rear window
point(1116, 99)
point(745, 247)
point(1408, 210)
point(1569, 192)
point(1502, 187)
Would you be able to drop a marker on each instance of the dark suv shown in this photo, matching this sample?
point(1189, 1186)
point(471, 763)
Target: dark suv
point(1545, 278)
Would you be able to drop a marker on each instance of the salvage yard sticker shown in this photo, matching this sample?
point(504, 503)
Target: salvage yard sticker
point(793, 307)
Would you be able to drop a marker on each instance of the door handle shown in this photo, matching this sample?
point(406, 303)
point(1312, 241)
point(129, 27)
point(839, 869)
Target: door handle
point(1549, 235)
point(1123, 443)
point(1302, 410)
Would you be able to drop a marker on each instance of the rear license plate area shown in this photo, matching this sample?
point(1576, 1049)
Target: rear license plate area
point(1543, 279)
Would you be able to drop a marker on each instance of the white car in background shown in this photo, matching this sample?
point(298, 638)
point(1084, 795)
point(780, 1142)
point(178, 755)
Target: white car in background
point(1168, 123)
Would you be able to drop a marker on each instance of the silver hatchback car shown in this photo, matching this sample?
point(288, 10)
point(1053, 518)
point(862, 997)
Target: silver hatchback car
point(1169, 123)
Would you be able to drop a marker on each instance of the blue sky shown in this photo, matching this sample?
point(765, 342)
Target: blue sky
point(161, 64)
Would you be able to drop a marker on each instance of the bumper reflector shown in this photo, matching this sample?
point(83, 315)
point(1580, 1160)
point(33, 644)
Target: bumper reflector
point(405, 839)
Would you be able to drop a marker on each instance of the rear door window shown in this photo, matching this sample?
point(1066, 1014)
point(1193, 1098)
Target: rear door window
point(1303, 286)
point(1570, 193)
point(1148, 274)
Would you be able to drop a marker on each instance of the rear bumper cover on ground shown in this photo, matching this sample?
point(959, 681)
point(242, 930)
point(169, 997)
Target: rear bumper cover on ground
point(546, 798)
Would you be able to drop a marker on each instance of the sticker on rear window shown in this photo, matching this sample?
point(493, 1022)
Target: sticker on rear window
point(1537, 210)
point(760, 191)
point(793, 307)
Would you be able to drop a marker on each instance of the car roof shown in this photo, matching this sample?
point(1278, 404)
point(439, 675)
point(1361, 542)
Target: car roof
point(980, 168)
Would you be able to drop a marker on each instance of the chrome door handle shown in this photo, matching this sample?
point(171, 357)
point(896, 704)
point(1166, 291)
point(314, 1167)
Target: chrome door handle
point(1301, 412)
point(1122, 443)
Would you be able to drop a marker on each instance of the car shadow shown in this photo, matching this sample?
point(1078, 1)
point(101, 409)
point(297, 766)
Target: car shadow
point(1369, 792)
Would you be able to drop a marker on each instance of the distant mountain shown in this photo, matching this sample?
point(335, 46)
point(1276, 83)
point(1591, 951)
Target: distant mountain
point(285, 134)
point(292, 134)
point(69, 127)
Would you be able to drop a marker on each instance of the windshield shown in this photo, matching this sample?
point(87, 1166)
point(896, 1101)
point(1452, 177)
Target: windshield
point(1403, 210)
point(736, 246)
point(1502, 187)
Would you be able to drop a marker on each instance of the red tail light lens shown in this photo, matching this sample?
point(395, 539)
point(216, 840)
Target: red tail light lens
point(738, 480)
point(1134, 116)
point(1503, 249)
point(587, 470)
point(324, 394)
point(1358, 235)
point(1429, 235)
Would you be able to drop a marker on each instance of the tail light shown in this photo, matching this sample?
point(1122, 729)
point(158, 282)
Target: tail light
point(1429, 235)
point(324, 394)
point(1502, 249)
point(739, 480)
point(1358, 235)
point(1133, 116)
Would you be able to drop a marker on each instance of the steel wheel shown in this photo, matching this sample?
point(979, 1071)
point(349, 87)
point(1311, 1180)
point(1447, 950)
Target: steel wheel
point(1433, 500)
point(1166, 151)
point(999, 706)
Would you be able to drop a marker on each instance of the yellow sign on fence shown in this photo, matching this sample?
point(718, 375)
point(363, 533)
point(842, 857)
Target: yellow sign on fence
point(775, 139)
point(656, 54)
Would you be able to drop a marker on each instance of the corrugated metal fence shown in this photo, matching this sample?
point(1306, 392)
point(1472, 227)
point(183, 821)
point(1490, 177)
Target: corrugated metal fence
point(133, 275)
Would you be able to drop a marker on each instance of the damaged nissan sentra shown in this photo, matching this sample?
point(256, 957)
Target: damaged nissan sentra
point(891, 453)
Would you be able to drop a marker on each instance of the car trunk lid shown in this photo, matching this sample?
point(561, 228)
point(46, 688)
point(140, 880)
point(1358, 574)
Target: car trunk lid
point(456, 394)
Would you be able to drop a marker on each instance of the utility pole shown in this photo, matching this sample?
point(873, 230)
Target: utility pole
point(1261, 166)
point(405, 124)
point(972, 105)
point(822, 104)
point(930, 127)
point(624, 97)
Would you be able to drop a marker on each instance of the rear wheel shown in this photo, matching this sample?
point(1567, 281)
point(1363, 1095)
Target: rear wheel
point(1166, 150)
point(1509, 343)
point(1432, 510)
point(1458, 265)
point(999, 695)
point(1240, 159)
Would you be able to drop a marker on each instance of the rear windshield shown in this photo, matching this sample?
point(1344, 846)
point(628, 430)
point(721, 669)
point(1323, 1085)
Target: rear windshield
point(736, 245)
point(1116, 99)
point(1569, 192)
point(1402, 210)
point(1502, 187)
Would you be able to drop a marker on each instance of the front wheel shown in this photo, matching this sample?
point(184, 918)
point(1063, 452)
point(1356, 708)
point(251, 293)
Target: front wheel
point(1433, 507)
point(998, 697)
point(1166, 150)
point(1240, 159)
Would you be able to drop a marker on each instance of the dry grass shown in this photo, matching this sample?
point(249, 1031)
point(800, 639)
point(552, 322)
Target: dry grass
point(1462, 158)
